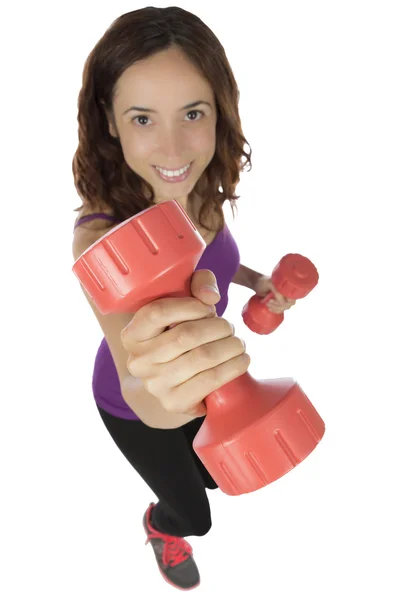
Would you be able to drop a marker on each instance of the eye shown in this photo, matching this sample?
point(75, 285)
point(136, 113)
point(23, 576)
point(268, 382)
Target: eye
point(139, 117)
point(146, 117)
point(195, 111)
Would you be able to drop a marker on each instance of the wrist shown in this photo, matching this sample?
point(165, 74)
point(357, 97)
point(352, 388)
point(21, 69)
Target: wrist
point(255, 280)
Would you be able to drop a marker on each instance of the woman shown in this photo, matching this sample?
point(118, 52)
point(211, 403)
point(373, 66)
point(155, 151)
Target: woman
point(158, 119)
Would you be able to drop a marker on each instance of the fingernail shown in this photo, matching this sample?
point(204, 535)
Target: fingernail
point(209, 288)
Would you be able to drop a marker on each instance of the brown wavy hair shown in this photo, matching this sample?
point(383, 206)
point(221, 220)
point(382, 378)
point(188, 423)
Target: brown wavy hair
point(99, 168)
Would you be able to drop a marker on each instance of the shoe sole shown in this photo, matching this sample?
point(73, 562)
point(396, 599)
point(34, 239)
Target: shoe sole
point(176, 586)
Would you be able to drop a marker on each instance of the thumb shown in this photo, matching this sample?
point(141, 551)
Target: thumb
point(204, 286)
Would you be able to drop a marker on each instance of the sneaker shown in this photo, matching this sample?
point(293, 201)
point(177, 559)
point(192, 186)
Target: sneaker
point(174, 556)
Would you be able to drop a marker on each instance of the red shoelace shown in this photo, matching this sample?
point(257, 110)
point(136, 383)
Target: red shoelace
point(176, 549)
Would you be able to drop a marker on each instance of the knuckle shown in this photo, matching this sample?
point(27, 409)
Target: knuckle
point(228, 326)
point(202, 353)
point(152, 385)
point(241, 344)
point(185, 335)
point(171, 405)
point(133, 366)
point(212, 378)
point(125, 338)
point(153, 312)
point(122, 337)
point(246, 360)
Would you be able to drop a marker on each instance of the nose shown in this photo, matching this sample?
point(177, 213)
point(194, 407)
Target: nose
point(171, 146)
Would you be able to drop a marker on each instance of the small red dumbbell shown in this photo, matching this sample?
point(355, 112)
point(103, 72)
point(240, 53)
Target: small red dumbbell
point(254, 431)
point(294, 277)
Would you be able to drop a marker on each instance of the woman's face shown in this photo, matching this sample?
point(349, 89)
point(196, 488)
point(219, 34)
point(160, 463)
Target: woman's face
point(168, 134)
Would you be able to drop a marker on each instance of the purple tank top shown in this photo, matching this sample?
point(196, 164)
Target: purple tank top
point(221, 257)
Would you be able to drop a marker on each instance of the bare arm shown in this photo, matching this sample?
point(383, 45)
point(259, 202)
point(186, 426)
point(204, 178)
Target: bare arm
point(145, 405)
point(246, 277)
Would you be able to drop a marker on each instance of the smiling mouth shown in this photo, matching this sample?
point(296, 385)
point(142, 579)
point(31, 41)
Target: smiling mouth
point(176, 169)
point(174, 176)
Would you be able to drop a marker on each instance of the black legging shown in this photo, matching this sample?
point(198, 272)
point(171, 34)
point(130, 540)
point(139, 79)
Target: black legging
point(166, 461)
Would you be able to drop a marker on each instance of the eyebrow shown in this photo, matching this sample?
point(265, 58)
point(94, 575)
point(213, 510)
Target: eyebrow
point(150, 110)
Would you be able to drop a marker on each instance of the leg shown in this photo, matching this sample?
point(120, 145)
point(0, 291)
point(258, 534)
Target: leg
point(190, 431)
point(165, 462)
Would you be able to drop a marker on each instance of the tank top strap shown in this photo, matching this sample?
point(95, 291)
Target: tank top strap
point(94, 216)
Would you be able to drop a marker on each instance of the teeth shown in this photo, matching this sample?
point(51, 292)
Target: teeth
point(173, 173)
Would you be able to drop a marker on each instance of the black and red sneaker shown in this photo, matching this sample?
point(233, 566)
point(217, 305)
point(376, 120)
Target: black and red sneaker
point(174, 556)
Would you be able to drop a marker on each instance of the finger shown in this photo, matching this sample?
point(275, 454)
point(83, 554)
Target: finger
point(206, 382)
point(278, 296)
point(152, 319)
point(202, 283)
point(286, 302)
point(200, 410)
point(187, 337)
point(276, 310)
point(175, 345)
point(275, 306)
point(201, 359)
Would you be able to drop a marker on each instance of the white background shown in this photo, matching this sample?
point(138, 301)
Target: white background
point(319, 84)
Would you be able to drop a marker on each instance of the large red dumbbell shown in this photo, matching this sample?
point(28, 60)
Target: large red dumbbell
point(294, 277)
point(254, 431)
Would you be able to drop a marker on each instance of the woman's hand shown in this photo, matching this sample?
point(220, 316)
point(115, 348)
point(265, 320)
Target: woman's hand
point(279, 303)
point(182, 365)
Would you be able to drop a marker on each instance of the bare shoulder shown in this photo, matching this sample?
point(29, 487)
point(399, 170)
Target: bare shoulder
point(84, 237)
point(87, 233)
point(96, 223)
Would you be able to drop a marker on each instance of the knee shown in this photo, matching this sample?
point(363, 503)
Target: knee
point(202, 528)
